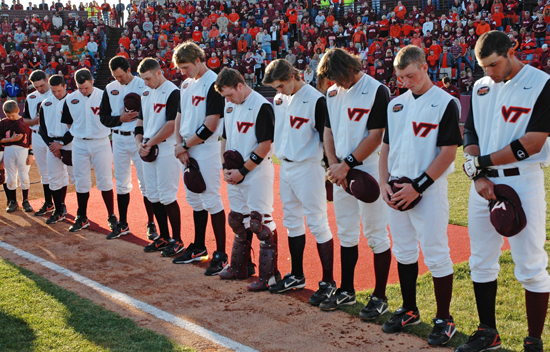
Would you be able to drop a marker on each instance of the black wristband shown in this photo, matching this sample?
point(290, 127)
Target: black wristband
point(352, 162)
point(244, 171)
point(256, 159)
point(480, 175)
point(184, 146)
point(138, 130)
point(204, 133)
point(483, 161)
point(519, 151)
point(31, 152)
point(420, 184)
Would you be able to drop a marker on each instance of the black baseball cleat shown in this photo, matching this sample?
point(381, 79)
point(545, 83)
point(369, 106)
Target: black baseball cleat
point(401, 318)
point(112, 221)
point(46, 208)
point(374, 308)
point(27, 208)
point(191, 254)
point(79, 223)
point(218, 262)
point(484, 339)
point(152, 231)
point(326, 290)
point(55, 218)
point(532, 344)
point(115, 233)
point(340, 298)
point(12, 206)
point(157, 245)
point(123, 228)
point(443, 332)
point(289, 282)
point(174, 247)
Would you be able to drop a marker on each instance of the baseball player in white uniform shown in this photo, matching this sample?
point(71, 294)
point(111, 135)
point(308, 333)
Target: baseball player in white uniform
point(353, 133)
point(198, 131)
point(155, 127)
point(248, 131)
point(30, 116)
point(300, 113)
point(420, 144)
point(122, 123)
point(57, 137)
point(91, 147)
point(505, 141)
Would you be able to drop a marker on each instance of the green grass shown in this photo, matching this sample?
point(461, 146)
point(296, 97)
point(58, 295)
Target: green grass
point(37, 315)
point(510, 306)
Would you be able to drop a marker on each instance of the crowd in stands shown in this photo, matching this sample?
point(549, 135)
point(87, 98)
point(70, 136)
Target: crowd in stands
point(248, 35)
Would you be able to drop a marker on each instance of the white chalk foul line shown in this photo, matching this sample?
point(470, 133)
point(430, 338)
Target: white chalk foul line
point(147, 308)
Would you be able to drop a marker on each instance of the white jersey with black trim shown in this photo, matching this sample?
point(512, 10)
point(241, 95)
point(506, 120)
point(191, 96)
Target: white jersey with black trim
point(153, 109)
point(116, 93)
point(33, 103)
point(85, 114)
point(502, 111)
point(349, 111)
point(52, 108)
point(296, 138)
point(413, 127)
point(193, 104)
point(240, 124)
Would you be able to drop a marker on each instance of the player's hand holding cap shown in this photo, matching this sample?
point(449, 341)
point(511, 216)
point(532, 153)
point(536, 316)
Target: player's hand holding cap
point(66, 157)
point(233, 160)
point(192, 177)
point(152, 156)
point(362, 186)
point(507, 215)
point(396, 189)
point(132, 102)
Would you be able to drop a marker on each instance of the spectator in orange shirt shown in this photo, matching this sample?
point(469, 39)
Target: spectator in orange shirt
point(433, 65)
point(233, 16)
point(395, 30)
point(124, 40)
point(416, 40)
point(384, 27)
point(242, 47)
point(358, 37)
point(400, 11)
point(214, 63)
point(483, 27)
point(497, 17)
point(123, 52)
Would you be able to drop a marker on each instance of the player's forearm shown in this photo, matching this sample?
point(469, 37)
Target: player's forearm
point(442, 162)
point(211, 123)
point(164, 133)
point(383, 164)
point(472, 149)
point(369, 144)
point(30, 122)
point(261, 150)
point(328, 143)
point(223, 144)
point(179, 138)
point(532, 143)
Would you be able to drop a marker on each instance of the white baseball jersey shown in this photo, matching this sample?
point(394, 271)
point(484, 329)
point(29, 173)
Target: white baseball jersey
point(296, 137)
point(50, 118)
point(32, 105)
point(503, 113)
point(82, 113)
point(193, 106)
point(414, 131)
point(349, 114)
point(112, 104)
point(154, 107)
point(240, 125)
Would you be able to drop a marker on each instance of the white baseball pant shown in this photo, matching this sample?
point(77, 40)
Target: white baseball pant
point(162, 176)
point(41, 150)
point(17, 170)
point(96, 153)
point(59, 172)
point(124, 153)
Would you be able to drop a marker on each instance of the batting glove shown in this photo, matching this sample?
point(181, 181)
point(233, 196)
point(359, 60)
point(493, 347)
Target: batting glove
point(471, 166)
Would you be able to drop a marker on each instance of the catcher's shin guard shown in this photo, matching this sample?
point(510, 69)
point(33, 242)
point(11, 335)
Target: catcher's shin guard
point(240, 254)
point(268, 247)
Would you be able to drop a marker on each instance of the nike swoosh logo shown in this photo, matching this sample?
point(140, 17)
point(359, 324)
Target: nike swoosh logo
point(380, 309)
point(305, 102)
point(527, 87)
point(434, 106)
point(249, 108)
point(338, 302)
point(287, 286)
point(364, 92)
point(406, 321)
point(198, 255)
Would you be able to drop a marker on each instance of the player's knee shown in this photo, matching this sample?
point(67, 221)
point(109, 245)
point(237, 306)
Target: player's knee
point(295, 231)
point(322, 237)
point(536, 282)
point(213, 205)
point(406, 257)
point(348, 241)
point(379, 244)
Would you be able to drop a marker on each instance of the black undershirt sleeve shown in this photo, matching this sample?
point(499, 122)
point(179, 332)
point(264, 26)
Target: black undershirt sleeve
point(469, 124)
point(378, 116)
point(540, 121)
point(327, 119)
point(172, 105)
point(105, 112)
point(66, 117)
point(215, 103)
point(265, 124)
point(386, 138)
point(26, 114)
point(449, 130)
point(224, 135)
point(321, 115)
point(43, 130)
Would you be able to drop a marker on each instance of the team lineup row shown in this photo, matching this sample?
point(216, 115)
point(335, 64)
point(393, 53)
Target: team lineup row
point(387, 159)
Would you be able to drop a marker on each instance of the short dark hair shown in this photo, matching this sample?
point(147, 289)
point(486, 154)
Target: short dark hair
point(280, 70)
point(37, 75)
point(148, 64)
point(119, 62)
point(229, 78)
point(83, 75)
point(492, 42)
point(56, 80)
point(446, 79)
point(339, 66)
point(411, 54)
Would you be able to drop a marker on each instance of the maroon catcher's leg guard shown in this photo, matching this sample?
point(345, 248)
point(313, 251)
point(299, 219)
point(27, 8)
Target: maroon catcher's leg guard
point(240, 254)
point(268, 273)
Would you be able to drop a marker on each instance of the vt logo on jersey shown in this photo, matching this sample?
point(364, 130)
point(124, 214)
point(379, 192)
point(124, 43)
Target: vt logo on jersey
point(195, 100)
point(513, 113)
point(95, 110)
point(427, 127)
point(356, 114)
point(297, 122)
point(158, 107)
point(244, 126)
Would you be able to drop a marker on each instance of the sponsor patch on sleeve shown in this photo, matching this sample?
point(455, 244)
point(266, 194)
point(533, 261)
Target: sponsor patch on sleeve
point(185, 85)
point(115, 92)
point(397, 107)
point(279, 101)
point(75, 101)
point(229, 110)
point(48, 103)
point(32, 96)
point(146, 93)
point(483, 91)
point(332, 93)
